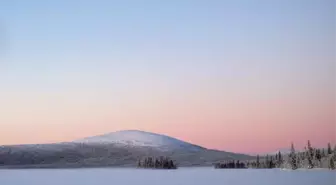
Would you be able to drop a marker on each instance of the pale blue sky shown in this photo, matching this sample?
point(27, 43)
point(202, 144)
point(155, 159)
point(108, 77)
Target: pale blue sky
point(168, 39)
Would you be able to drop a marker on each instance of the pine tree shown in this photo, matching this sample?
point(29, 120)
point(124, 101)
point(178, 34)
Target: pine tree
point(302, 155)
point(279, 162)
point(258, 163)
point(145, 163)
point(266, 162)
point(292, 158)
point(310, 150)
point(331, 164)
point(310, 155)
point(318, 155)
point(329, 149)
point(271, 163)
point(298, 161)
point(323, 153)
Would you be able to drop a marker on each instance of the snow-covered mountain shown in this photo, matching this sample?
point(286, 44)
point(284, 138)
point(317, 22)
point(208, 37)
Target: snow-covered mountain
point(136, 138)
point(122, 148)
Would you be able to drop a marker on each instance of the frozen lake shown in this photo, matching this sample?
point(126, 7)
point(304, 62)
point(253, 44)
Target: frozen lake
point(182, 176)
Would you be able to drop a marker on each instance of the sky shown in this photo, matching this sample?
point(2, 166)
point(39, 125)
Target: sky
point(246, 76)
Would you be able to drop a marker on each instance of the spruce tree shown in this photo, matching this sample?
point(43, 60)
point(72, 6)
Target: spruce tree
point(292, 158)
point(139, 163)
point(298, 161)
point(329, 149)
point(302, 155)
point(271, 163)
point(323, 153)
point(310, 150)
point(258, 163)
point(279, 162)
point(310, 155)
point(266, 162)
point(318, 155)
point(331, 164)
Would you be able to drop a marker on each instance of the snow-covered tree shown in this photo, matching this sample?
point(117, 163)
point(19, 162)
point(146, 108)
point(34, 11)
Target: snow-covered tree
point(280, 160)
point(318, 155)
point(298, 161)
point(310, 155)
point(258, 162)
point(310, 149)
point(292, 158)
point(323, 153)
point(331, 164)
point(271, 163)
point(266, 163)
point(329, 149)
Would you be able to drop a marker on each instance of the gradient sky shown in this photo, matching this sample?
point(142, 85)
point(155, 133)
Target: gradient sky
point(243, 76)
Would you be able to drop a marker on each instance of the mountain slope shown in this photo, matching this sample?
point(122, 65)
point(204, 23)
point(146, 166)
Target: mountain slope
point(138, 138)
point(122, 148)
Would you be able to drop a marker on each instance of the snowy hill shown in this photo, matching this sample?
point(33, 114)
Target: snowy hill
point(122, 148)
point(136, 138)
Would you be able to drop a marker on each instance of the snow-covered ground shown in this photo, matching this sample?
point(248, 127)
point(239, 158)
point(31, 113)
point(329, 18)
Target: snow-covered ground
point(182, 176)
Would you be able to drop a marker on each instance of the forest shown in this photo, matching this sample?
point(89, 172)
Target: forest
point(157, 163)
point(309, 158)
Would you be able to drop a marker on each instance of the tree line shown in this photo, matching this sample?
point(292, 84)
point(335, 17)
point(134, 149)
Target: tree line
point(312, 157)
point(268, 162)
point(157, 163)
point(230, 164)
point(309, 158)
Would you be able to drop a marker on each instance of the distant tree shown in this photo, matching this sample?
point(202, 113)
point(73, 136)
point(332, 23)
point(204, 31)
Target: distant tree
point(237, 164)
point(258, 162)
point(139, 163)
point(331, 164)
point(323, 153)
point(310, 155)
point(171, 164)
point(298, 161)
point(266, 163)
point(318, 155)
point(280, 160)
point(144, 163)
point(162, 163)
point(271, 163)
point(302, 155)
point(310, 149)
point(292, 158)
point(310, 163)
point(329, 149)
point(254, 164)
point(334, 153)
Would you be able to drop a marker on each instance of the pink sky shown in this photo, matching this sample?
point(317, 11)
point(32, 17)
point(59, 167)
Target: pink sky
point(238, 121)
